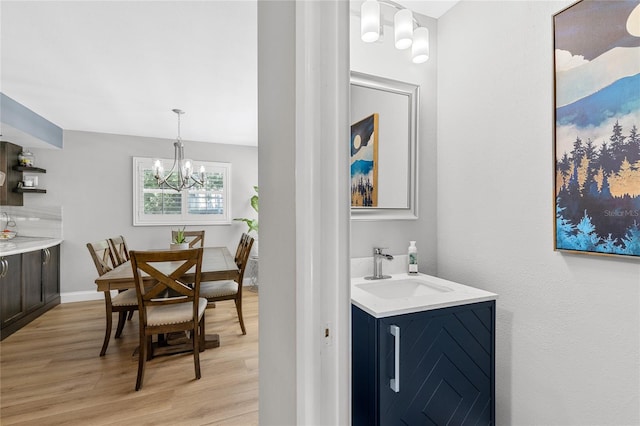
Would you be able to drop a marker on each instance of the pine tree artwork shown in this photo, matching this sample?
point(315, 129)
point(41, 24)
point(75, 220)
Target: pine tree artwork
point(596, 144)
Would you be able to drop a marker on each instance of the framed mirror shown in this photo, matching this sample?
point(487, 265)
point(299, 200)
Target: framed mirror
point(384, 128)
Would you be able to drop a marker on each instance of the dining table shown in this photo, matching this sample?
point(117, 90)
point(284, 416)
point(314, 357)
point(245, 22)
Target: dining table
point(217, 264)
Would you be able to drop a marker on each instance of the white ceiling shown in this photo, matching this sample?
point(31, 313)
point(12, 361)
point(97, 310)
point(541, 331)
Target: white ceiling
point(432, 8)
point(121, 66)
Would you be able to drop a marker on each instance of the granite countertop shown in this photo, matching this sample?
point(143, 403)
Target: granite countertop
point(397, 295)
point(22, 244)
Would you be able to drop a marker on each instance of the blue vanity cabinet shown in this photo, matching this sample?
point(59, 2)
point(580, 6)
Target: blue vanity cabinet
point(446, 367)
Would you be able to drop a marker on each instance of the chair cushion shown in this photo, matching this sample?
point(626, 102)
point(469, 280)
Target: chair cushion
point(125, 298)
point(218, 288)
point(174, 314)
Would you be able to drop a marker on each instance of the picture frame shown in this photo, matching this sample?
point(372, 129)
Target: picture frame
point(364, 162)
point(596, 137)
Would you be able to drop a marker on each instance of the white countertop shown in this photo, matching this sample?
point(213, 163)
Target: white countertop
point(379, 307)
point(20, 244)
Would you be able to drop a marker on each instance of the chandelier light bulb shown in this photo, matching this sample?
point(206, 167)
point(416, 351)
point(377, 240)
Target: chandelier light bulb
point(420, 46)
point(370, 21)
point(403, 29)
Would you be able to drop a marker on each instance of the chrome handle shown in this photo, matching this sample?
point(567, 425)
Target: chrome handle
point(47, 256)
point(395, 382)
point(5, 268)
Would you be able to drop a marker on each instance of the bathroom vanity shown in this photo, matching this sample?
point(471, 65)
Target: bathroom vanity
point(423, 352)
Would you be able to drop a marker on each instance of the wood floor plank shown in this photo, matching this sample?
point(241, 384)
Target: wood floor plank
point(51, 373)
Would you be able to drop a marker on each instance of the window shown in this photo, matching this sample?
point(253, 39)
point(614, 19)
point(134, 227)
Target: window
point(160, 205)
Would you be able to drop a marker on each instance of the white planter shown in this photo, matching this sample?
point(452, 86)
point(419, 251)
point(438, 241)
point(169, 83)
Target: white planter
point(180, 246)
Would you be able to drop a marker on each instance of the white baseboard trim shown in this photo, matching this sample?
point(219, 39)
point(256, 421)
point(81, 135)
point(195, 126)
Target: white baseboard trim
point(85, 296)
point(80, 296)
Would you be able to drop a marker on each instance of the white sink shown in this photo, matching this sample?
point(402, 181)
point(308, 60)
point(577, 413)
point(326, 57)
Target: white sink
point(400, 289)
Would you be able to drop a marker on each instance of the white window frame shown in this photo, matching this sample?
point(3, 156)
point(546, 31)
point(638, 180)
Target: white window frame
point(141, 219)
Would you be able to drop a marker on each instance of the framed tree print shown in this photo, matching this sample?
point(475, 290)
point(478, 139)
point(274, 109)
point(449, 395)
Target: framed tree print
point(596, 140)
point(364, 162)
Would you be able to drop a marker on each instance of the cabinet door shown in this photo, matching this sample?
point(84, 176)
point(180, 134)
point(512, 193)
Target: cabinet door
point(446, 367)
point(10, 289)
point(32, 280)
point(51, 273)
point(9, 158)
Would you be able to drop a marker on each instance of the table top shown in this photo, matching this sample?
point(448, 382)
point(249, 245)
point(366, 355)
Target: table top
point(217, 264)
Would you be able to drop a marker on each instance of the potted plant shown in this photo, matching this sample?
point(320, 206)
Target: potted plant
point(179, 241)
point(252, 224)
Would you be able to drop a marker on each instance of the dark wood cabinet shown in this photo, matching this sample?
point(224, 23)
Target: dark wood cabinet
point(10, 289)
point(29, 286)
point(32, 280)
point(8, 160)
point(426, 368)
point(51, 274)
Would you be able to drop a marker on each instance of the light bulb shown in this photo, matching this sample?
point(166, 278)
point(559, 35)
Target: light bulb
point(158, 170)
point(420, 46)
point(370, 21)
point(403, 28)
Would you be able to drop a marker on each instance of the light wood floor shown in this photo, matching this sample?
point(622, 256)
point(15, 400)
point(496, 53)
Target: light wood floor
point(51, 373)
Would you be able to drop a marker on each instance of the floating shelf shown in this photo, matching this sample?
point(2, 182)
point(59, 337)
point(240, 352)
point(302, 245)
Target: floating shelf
point(29, 169)
point(26, 191)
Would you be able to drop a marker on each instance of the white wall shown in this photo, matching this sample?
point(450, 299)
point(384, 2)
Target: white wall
point(91, 178)
point(568, 326)
point(384, 60)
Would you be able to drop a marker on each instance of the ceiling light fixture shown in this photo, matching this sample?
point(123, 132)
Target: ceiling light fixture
point(404, 22)
point(181, 175)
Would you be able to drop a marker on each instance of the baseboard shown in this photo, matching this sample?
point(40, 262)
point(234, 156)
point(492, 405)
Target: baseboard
point(80, 296)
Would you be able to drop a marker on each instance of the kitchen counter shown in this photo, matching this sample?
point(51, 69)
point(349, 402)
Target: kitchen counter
point(22, 244)
point(380, 299)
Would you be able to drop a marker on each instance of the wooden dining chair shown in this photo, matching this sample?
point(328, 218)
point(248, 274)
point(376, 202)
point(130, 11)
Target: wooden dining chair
point(196, 237)
point(121, 255)
point(159, 315)
point(241, 244)
point(215, 291)
point(119, 249)
point(122, 303)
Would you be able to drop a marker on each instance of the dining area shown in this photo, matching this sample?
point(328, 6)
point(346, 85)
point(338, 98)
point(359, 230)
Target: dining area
point(53, 371)
point(168, 291)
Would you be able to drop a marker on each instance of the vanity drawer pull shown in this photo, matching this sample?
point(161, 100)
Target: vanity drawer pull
point(395, 382)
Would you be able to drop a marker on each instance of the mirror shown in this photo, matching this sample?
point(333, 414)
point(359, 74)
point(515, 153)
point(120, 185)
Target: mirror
point(383, 160)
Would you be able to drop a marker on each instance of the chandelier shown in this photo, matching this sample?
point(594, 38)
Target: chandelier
point(405, 35)
point(182, 168)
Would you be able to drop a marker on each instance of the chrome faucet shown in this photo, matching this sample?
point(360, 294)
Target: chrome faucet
point(378, 255)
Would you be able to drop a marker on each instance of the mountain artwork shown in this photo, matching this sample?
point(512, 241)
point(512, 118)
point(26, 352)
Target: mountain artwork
point(597, 114)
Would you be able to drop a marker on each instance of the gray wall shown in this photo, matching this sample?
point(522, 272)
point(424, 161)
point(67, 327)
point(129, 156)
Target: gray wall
point(384, 60)
point(91, 178)
point(568, 342)
point(277, 134)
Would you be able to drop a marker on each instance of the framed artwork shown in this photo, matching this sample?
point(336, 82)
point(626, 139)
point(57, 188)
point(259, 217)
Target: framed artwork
point(596, 140)
point(364, 162)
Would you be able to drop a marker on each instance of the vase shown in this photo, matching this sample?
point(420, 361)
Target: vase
point(179, 246)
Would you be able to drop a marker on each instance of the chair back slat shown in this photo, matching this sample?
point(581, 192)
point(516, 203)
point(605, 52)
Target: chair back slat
point(244, 260)
point(119, 249)
point(102, 256)
point(192, 237)
point(241, 245)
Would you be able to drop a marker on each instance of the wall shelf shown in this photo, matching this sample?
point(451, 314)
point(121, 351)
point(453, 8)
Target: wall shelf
point(26, 191)
point(29, 169)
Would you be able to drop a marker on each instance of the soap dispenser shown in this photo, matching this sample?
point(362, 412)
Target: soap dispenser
point(413, 257)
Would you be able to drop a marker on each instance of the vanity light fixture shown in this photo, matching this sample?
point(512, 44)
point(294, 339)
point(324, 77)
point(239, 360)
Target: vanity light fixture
point(404, 22)
point(182, 168)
